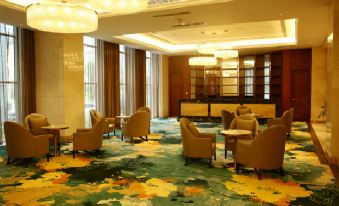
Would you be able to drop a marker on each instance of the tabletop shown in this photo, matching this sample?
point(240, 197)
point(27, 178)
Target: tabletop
point(55, 127)
point(236, 132)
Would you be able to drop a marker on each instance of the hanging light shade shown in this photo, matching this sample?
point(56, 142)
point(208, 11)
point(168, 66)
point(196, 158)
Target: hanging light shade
point(210, 48)
point(226, 54)
point(119, 6)
point(203, 61)
point(62, 18)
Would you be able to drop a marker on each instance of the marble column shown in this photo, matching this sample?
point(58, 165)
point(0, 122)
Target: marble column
point(335, 85)
point(60, 78)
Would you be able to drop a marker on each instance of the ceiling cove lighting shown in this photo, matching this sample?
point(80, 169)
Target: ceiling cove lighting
point(119, 6)
point(62, 18)
point(224, 54)
point(203, 61)
point(210, 48)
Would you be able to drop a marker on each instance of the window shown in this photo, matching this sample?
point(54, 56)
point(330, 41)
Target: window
point(148, 79)
point(91, 77)
point(8, 75)
point(249, 75)
point(123, 81)
point(267, 72)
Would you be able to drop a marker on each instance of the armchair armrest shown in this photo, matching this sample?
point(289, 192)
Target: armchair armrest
point(275, 121)
point(200, 147)
point(83, 130)
point(110, 120)
point(211, 136)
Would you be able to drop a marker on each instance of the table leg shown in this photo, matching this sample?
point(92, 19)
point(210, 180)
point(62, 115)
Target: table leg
point(55, 143)
point(225, 146)
point(235, 151)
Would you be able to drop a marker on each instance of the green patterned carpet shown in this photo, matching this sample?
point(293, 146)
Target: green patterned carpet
point(153, 173)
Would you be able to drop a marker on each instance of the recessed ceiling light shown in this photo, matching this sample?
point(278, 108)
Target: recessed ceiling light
point(280, 14)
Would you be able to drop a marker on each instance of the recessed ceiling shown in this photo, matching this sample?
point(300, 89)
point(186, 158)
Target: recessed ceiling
point(266, 29)
point(206, 21)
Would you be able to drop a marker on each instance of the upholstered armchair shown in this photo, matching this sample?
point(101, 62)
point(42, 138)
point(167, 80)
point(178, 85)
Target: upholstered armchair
point(242, 110)
point(148, 110)
point(136, 126)
point(246, 122)
point(266, 151)
point(286, 119)
point(196, 144)
point(89, 139)
point(227, 118)
point(109, 122)
point(34, 121)
point(20, 143)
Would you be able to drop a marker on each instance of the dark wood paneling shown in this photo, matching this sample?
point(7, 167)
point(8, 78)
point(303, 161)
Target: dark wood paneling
point(296, 82)
point(300, 94)
point(179, 83)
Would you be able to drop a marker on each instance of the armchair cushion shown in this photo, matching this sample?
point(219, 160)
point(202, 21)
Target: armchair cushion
point(244, 111)
point(193, 130)
point(37, 123)
point(245, 124)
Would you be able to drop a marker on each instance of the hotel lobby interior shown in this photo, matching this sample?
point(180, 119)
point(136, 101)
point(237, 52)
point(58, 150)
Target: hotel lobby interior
point(169, 102)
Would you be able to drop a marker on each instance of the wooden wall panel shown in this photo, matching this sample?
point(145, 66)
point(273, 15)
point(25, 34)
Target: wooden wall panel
point(179, 83)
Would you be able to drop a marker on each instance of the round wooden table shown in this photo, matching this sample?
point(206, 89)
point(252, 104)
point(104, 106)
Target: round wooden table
point(55, 130)
point(235, 134)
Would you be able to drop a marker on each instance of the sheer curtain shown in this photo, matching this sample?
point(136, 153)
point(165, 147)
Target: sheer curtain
point(130, 81)
point(154, 85)
point(8, 76)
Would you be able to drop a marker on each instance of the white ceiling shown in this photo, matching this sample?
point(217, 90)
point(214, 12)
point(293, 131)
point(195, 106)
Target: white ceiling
point(237, 19)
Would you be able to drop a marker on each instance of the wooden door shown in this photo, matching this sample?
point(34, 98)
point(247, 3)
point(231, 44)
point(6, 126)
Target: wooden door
point(176, 89)
point(300, 94)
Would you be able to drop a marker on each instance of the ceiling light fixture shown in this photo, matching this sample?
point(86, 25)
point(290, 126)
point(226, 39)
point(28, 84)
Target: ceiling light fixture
point(119, 6)
point(203, 61)
point(224, 54)
point(62, 18)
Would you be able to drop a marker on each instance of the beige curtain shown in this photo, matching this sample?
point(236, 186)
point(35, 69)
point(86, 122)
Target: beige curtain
point(27, 68)
point(111, 80)
point(140, 78)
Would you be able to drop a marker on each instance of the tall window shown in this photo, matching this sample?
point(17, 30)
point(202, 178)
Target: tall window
point(152, 82)
point(8, 75)
point(249, 75)
point(123, 82)
point(148, 79)
point(91, 77)
point(267, 73)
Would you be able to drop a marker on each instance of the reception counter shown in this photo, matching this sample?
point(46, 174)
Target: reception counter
point(212, 109)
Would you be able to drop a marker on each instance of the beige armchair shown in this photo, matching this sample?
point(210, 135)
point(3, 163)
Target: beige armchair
point(148, 110)
point(227, 118)
point(286, 119)
point(136, 126)
point(266, 151)
point(22, 144)
point(247, 122)
point(242, 110)
point(34, 121)
point(109, 122)
point(89, 139)
point(195, 144)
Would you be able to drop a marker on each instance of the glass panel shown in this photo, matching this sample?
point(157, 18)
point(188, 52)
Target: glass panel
point(230, 89)
point(193, 81)
point(8, 76)
point(200, 73)
point(193, 73)
point(232, 81)
point(90, 77)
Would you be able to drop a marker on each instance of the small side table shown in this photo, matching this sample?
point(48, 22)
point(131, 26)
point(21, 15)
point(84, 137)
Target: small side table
point(235, 134)
point(55, 129)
